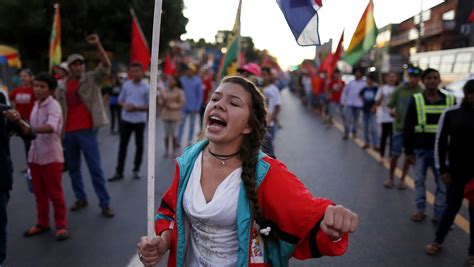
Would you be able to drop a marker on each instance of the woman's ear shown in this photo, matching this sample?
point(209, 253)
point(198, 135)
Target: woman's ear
point(247, 129)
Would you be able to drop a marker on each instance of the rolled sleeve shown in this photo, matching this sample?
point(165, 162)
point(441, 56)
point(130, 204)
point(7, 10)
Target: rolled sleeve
point(54, 120)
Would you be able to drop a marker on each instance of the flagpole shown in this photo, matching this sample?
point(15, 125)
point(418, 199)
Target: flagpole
point(152, 120)
point(239, 45)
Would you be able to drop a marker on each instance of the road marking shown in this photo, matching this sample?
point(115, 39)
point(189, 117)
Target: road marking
point(460, 221)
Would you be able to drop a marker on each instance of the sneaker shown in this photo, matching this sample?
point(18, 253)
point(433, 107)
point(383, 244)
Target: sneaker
point(35, 230)
point(79, 205)
point(107, 212)
point(418, 217)
point(116, 177)
point(136, 176)
point(365, 146)
point(62, 234)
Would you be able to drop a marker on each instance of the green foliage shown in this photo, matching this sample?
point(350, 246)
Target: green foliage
point(26, 25)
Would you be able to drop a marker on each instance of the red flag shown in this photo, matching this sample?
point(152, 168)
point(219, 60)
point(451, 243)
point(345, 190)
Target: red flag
point(139, 51)
point(169, 66)
point(326, 64)
point(336, 56)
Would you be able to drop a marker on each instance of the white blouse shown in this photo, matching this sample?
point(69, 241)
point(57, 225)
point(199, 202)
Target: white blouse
point(213, 225)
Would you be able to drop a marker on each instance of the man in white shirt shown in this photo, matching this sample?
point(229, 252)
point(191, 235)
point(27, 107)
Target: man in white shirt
point(272, 96)
point(353, 102)
point(273, 102)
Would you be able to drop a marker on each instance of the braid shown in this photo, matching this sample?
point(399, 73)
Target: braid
point(249, 179)
point(252, 144)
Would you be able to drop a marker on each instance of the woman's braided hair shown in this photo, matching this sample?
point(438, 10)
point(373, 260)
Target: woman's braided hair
point(252, 142)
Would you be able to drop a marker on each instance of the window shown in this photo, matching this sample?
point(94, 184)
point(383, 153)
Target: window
point(449, 15)
point(447, 62)
point(423, 63)
point(463, 62)
point(434, 62)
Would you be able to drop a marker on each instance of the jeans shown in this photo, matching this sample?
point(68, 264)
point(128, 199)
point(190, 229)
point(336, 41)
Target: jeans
point(4, 197)
point(184, 116)
point(267, 146)
point(425, 159)
point(396, 147)
point(271, 130)
point(352, 118)
point(126, 130)
point(371, 134)
point(85, 141)
point(454, 198)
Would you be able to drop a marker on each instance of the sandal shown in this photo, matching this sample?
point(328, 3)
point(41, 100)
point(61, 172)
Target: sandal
point(35, 230)
point(62, 234)
point(418, 217)
point(433, 248)
point(388, 184)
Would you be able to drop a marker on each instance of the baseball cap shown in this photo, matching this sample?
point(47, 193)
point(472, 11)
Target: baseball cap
point(74, 57)
point(414, 71)
point(63, 66)
point(251, 68)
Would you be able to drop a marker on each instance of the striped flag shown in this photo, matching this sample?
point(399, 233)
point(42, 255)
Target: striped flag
point(228, 65)
point(302, 17)
point(364, 37)
point(55, 40)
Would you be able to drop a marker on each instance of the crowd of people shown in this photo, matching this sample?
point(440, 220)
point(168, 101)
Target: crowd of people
point(417, 120)
point(57, 117)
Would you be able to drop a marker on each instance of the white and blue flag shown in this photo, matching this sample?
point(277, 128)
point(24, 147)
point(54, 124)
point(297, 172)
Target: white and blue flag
point(302, 17)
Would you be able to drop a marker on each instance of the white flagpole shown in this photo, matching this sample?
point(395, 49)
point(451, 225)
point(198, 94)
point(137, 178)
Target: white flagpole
point(239, 45)
point(152, 120)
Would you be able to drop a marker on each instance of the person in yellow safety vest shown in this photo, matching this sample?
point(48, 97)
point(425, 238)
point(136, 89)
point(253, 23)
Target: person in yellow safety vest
point(421, 124)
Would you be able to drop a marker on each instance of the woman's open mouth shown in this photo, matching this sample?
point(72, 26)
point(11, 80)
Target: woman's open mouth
point(216, 123)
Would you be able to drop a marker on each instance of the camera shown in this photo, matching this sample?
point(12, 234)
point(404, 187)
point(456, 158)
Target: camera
point(4, 108)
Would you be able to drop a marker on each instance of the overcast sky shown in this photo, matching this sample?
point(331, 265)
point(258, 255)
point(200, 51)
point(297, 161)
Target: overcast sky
point(264, 22)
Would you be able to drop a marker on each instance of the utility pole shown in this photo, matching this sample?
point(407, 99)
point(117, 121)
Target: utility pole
point(421, 28)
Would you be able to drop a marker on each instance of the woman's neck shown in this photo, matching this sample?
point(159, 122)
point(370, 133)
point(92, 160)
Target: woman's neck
point(224, 149)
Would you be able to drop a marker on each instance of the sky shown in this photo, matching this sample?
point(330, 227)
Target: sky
point(264, 22)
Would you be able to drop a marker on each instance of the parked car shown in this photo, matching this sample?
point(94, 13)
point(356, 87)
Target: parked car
point(455, 87)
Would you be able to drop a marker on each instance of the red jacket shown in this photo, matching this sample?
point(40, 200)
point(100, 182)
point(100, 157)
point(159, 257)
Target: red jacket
point(293, 213)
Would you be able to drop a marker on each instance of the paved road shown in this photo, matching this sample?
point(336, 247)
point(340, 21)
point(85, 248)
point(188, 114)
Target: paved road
point(328, 166)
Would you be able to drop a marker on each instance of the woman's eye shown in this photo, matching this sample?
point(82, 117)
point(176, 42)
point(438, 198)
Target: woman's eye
point(234, 104)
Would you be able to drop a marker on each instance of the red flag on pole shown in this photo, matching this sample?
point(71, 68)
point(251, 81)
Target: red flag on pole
point(169, 65)
point(139, 51)
point(336, 56)
point(326, 64)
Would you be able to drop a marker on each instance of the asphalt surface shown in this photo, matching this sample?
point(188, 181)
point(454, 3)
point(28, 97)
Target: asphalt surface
point(328, 166)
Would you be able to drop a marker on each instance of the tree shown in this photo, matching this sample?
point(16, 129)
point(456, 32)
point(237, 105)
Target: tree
point(26, 24)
